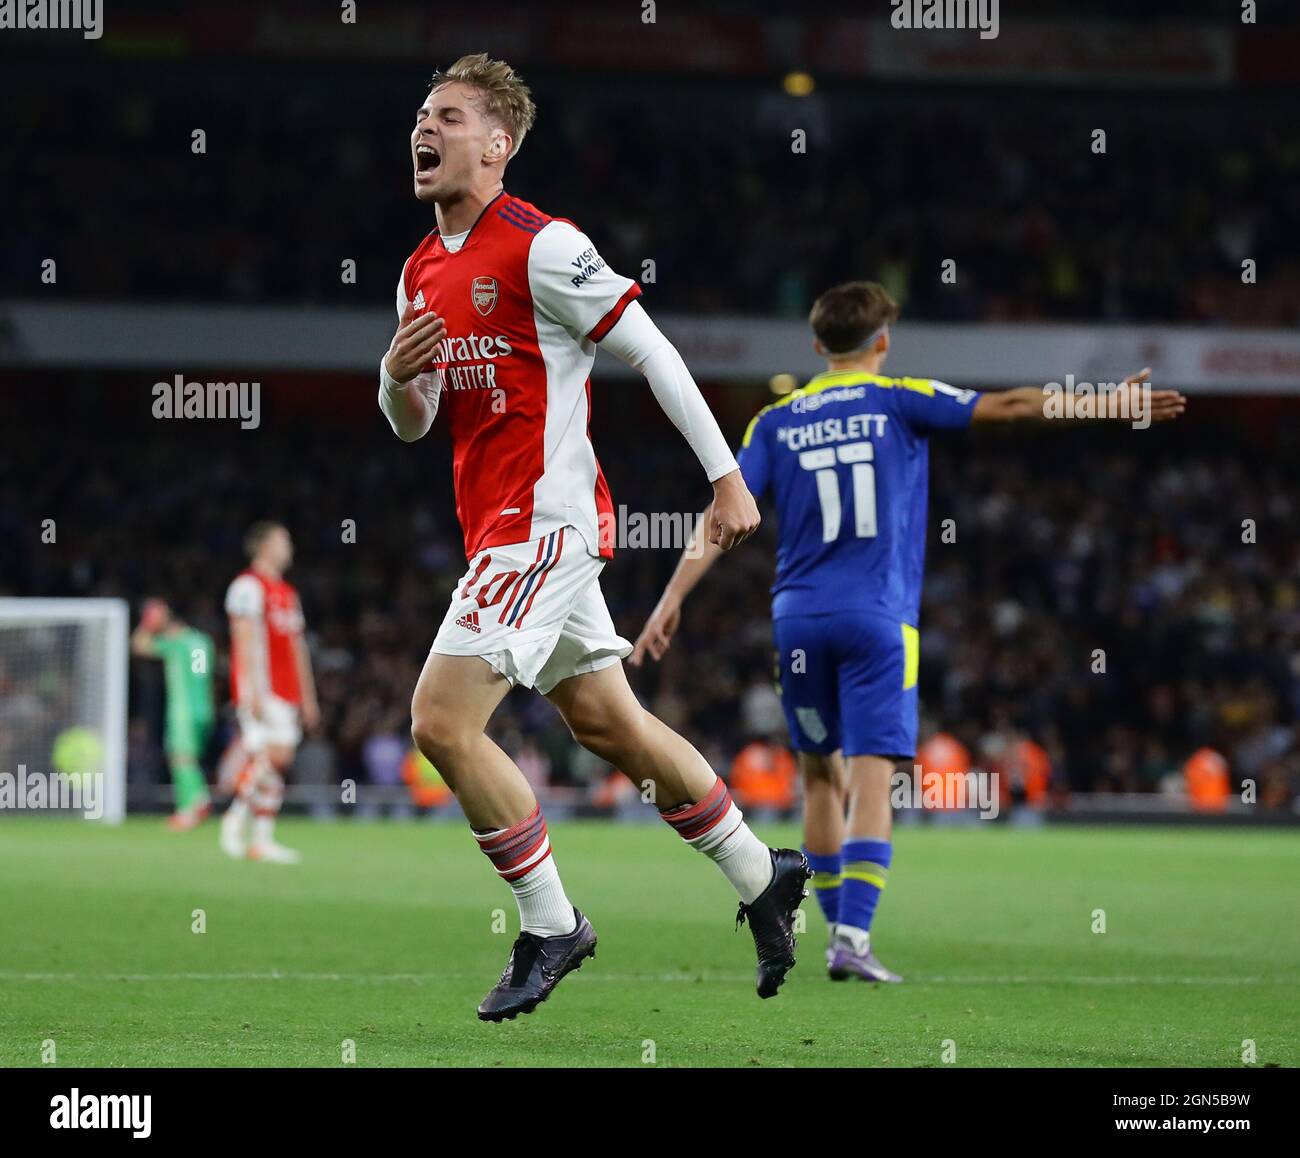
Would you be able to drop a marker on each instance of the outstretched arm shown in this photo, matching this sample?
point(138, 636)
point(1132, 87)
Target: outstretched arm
point(733, 515)
point(1032, 402)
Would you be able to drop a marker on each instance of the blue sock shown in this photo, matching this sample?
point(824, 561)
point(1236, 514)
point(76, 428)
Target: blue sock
point(865, 868)
point(826, 882)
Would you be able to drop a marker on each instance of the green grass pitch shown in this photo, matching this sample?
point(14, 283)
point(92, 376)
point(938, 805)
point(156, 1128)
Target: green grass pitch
point(384, 937)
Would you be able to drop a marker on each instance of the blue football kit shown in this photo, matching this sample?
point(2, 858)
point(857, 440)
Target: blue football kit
point(845, 459)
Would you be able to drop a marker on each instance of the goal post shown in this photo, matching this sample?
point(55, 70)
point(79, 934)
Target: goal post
point(63, 700)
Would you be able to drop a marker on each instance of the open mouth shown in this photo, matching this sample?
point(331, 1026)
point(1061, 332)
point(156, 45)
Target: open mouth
point(427, 159)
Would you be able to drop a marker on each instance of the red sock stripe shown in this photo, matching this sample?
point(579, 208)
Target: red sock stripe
point(244, 778)
point(524, 869)
point(696, 819)
point(513, 850)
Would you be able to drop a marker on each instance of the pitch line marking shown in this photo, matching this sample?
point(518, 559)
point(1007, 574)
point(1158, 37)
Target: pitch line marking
point(700, 978)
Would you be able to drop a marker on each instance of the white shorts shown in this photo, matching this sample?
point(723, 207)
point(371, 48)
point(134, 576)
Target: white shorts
point(534, 612)
point(279, 726)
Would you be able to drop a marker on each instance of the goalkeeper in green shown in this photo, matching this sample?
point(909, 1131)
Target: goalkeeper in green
point(187, 657)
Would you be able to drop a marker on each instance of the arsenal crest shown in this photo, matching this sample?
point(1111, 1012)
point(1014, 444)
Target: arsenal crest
point(483, 293)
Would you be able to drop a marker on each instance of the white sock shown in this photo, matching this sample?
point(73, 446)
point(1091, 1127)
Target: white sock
point(744, 860)
point(543, 907)
point(715, 826)
point(858, 939)
point(263, 830)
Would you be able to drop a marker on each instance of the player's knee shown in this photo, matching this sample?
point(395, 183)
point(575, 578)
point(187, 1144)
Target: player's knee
point(819, 771)
point(440, 737)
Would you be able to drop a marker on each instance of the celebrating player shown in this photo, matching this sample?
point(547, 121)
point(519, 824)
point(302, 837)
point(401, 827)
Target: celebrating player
point(501, 307)
point(274, 692)
point(846, 460)
point(187, 656)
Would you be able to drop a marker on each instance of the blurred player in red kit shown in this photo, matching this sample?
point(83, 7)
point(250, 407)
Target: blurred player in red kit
point(273, 688)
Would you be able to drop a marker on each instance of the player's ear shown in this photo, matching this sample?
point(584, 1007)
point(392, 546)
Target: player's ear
point(882, 342)
point(819, 349)
point(499, 146)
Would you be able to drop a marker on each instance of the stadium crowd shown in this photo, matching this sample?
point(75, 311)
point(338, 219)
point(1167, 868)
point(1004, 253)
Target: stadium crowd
point(1038, 223)
point(1122, 603)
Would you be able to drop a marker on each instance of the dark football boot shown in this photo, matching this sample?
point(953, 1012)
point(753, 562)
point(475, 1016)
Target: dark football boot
point(536, 966)
point(771, 917)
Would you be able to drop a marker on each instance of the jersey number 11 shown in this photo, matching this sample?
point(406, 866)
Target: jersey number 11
point(822, 463)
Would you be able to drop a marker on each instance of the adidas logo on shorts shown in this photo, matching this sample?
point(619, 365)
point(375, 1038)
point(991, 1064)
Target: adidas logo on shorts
point(469, 622)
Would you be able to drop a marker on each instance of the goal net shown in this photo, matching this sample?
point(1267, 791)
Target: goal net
point(63, 676)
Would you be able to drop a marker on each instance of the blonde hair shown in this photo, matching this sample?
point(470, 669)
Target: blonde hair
point(504, 98)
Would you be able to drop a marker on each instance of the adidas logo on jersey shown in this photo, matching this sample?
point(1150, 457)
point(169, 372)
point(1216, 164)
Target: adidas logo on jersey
point(419, 300)
point(469, 622)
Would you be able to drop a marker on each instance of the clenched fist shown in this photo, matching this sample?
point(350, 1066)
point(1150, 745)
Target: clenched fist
point(734, 514)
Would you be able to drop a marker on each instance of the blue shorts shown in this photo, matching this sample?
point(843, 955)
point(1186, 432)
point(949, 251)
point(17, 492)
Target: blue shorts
point(848, 682)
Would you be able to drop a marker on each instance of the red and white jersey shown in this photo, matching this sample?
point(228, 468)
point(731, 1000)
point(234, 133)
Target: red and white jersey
point(526, 297)
point(276, 613)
